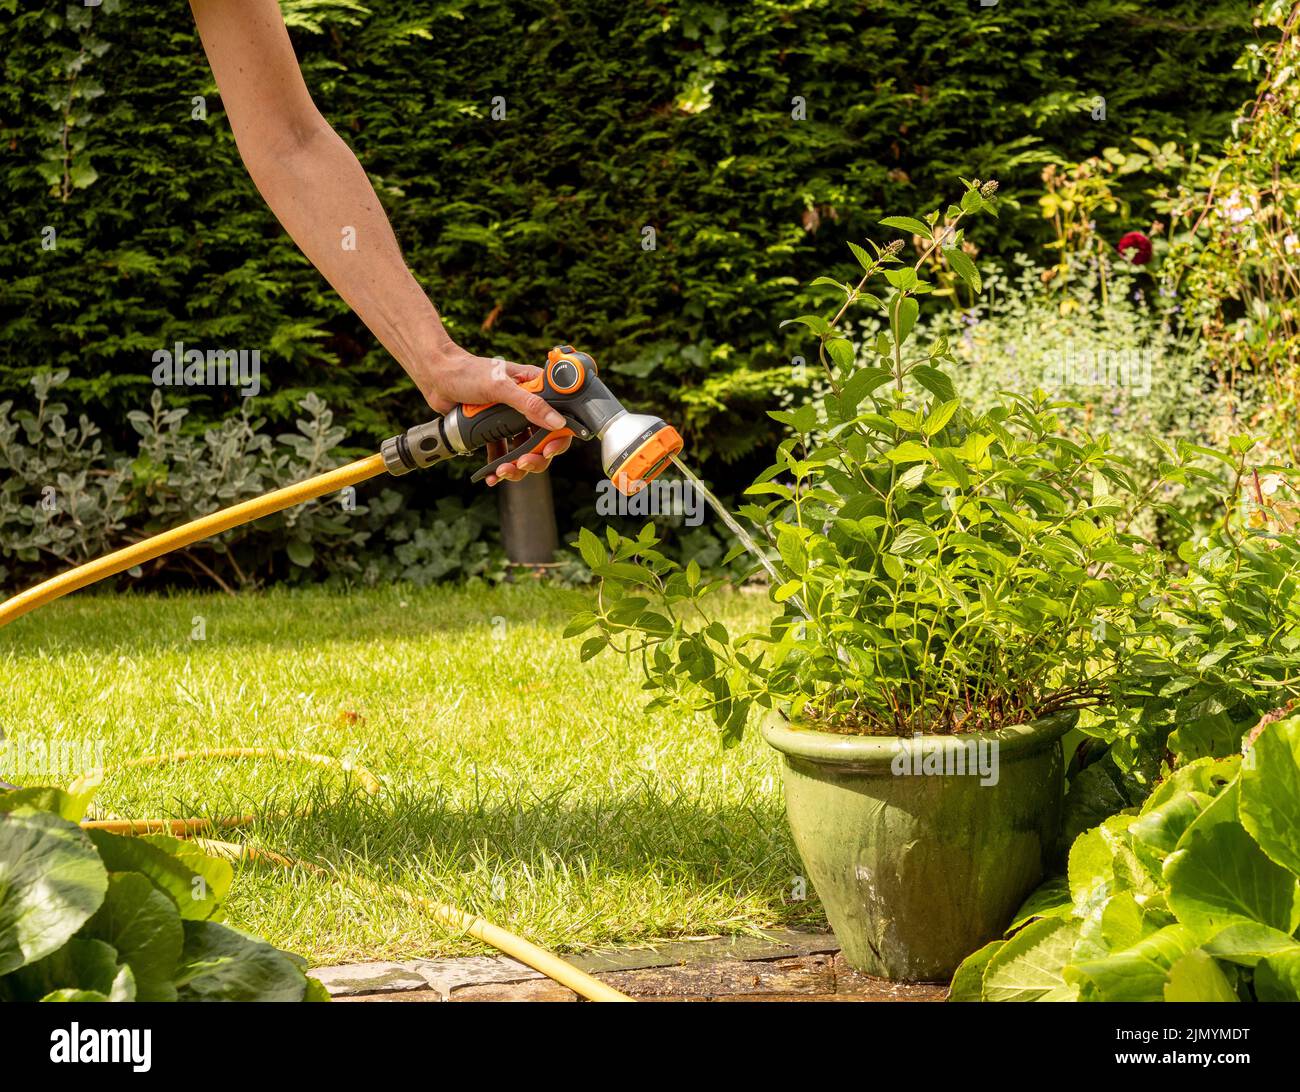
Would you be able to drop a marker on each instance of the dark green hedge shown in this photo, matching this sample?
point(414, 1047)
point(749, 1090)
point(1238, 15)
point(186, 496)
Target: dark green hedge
point(533, 224)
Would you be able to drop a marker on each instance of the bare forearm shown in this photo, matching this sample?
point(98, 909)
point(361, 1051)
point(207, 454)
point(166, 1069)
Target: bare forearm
point(317, 189)
point(321, 195)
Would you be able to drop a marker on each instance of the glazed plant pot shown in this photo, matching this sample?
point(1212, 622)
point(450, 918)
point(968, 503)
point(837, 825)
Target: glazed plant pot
point(921, 849)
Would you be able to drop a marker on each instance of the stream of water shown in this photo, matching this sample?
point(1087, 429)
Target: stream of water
point(736, 529)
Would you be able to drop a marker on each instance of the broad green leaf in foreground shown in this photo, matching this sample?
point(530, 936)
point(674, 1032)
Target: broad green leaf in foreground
point(968, 980)
point(190, 891)
point(71, 806)
point(222, 964)
point(1219, 877)
point(144, 926)
point(1270, 792)
point(1197, 977)
point(51, 881)
point(80, 964)
point(1137, 973)
point(1028, 967)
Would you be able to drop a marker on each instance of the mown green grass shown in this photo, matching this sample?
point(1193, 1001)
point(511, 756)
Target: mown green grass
point(517, 781)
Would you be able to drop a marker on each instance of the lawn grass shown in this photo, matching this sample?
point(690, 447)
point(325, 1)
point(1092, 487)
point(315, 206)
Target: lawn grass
point(517, 782)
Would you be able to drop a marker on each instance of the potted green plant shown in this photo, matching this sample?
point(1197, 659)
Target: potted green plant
point(956, 590)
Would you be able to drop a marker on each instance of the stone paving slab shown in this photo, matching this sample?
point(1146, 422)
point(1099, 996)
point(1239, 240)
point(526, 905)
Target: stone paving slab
point(779, 965)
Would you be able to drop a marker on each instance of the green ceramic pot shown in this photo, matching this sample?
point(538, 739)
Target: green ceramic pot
point(921, 849)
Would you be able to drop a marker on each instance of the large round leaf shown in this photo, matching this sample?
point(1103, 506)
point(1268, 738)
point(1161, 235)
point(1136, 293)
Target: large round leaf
point(1218, 876)
point(81, 964)
point(51, 882)
point(222, 964)
point(193, 893)
point(1028, 967)
point(1270, 792)
point(144, 926)
point(1198, 977)
point(1136, 973)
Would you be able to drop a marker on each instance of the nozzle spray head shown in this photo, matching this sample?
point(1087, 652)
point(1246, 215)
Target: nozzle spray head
point(636, 448)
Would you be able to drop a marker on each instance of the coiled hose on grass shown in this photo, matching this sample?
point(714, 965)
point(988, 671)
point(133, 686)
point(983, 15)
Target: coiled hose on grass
point(517, 947)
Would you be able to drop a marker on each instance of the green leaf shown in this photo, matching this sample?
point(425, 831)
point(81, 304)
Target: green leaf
point(191, 892)
point(1197, 977)
point(864, 259)
point(815, 323)
point(1247, 943)
point(968, 979)
point(1219, 877)
point(786, 590)
point(144, 926)
point(82, 175)
point(937, 382)
point(219, 963)
point(1161, 828)
point(907, 223)
point(1270, 792)
point(909, 451)
point(592, 549)
point(580, 623)
point(76, 996)
point(81, 964)
point(903, 312)
point(1051, 899)
point(940, 416)
point(1028, 967)
point(1102, 863)
point(1277, 978)
point(300, 553)
point(964, 267)
point(51, 882)
point(215, 873)
point(1137, 973)
point(840, 350)
point(861, 383)
point(45, 798)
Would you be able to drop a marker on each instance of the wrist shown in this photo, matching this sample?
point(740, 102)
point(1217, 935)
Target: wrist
point(430, 360)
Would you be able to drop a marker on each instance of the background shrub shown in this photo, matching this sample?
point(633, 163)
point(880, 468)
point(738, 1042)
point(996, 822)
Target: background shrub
point(528, 230)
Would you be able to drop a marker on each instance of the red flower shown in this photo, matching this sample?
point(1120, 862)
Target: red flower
point(1136, 247)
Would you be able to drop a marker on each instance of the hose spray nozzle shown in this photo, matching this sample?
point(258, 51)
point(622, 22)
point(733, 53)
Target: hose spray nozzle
point(635, 447)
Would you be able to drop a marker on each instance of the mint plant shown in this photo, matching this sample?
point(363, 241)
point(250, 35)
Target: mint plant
point(941, 569)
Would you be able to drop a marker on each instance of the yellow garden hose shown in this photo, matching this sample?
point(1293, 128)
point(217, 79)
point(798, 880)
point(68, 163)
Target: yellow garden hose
point(517, 947)
point(204, 527)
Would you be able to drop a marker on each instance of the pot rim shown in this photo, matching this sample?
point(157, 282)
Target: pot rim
point(1018, 740)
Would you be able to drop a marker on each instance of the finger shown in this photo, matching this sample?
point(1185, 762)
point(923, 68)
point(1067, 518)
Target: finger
point(530, 405)
point(523, 372)
point(556, 447)
point(509, 472)
point(533, 463)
